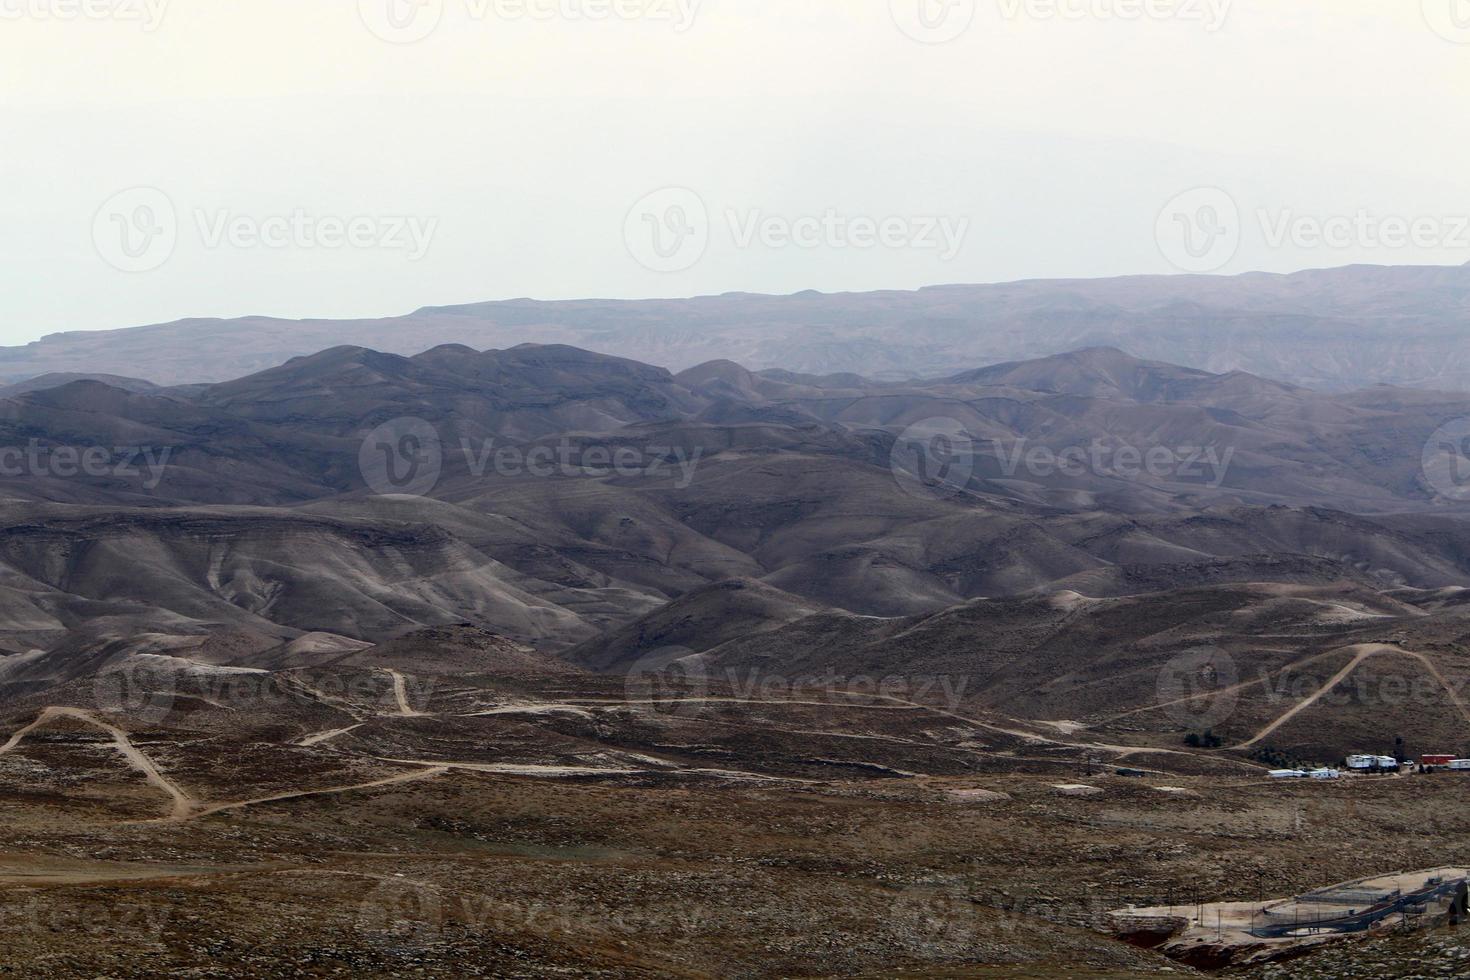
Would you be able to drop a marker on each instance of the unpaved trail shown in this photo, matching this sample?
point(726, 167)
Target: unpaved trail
point(1307, 702)
point(400, 693)
point(532, 709)
point(406, 777)
point(183, 802)
point(1121, 751)
point(529, 769)
point(1232, 689)
point(520, 769)
point(327, 736)
point(725, 700)
point(901, 704)
point(1365, 651)
point(1433, 669)
point(331, 701)
point(15, 739)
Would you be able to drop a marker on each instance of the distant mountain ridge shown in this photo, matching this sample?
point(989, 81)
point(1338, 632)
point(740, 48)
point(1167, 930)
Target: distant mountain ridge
point(1333, 329)
point(292, 433)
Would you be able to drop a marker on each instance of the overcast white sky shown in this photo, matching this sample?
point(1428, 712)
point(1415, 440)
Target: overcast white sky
point(503, 154)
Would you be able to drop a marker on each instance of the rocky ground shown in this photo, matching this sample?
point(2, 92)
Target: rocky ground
point(573, 830)
point(1444, 953)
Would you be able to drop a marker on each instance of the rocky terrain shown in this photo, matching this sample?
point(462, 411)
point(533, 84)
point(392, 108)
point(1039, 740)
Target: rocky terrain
point(538, 662)
point(512, 816)
point(555, 495)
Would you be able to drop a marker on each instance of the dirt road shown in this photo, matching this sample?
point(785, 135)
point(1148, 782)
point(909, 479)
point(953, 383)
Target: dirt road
point(406, 777)
point(327, 736)
point(400, 693)
point(1363, 653)
point(183, 803)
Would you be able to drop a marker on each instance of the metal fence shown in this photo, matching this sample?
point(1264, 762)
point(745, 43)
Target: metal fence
point(1286, 919)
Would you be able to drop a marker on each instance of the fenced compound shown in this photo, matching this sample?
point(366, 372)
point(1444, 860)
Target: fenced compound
point(1358, 897)
point(1356, 908)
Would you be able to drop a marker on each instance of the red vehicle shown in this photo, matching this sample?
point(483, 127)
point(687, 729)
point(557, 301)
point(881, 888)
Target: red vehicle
point(1437, 760)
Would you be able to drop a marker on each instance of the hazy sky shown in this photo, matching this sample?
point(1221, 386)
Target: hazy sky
point(173, 158)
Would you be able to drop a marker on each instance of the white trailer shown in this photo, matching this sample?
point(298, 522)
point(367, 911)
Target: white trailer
point(1325, 774)
point(1459, 764)
point(1362, 763)
point(1287, 774)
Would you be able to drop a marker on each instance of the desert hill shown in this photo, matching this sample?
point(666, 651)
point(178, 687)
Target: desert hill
point(250, 508)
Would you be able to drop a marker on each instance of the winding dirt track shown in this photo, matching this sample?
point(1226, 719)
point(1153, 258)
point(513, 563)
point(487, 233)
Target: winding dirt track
point(186, 807)
point(1364, 652)
point(900, 704)
point(405, 777)
point(1232, 689)
point(1121, 751)
point(518, 769)
point(183, 803)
